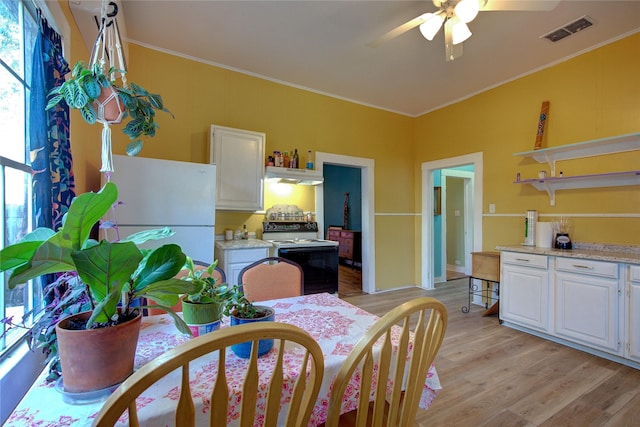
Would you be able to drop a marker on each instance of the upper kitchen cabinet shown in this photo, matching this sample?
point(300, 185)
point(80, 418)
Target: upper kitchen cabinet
point(239, 156)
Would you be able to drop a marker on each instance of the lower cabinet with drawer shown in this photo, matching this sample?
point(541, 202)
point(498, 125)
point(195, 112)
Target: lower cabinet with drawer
point(589, 304)
point(633, 308)
point(524, 289)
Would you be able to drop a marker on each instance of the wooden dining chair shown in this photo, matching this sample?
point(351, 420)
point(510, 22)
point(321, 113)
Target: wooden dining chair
point(304, 391)
point(272, 278)
point(217, 273)
point(394, 405)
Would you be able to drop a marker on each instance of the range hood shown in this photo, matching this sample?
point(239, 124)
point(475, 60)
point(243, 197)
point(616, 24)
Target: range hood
point(293, 176)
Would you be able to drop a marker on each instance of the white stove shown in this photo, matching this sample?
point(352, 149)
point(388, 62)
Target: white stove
point(298, 242)
point(293, 235)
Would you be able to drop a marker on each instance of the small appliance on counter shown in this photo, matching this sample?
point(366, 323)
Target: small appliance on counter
point(562, 230)
point(530, 228)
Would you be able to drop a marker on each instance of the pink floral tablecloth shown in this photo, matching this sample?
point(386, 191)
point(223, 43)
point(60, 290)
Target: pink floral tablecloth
point(335, 324)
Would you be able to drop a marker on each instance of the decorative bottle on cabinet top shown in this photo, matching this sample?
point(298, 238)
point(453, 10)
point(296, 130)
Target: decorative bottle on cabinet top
point(309, 160)
point(295, 160)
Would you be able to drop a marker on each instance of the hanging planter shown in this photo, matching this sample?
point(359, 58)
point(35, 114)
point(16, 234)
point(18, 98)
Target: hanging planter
point(101, 92)
point(108, 106)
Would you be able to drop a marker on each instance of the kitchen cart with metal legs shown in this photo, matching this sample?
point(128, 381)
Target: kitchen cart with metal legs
point(490, 295)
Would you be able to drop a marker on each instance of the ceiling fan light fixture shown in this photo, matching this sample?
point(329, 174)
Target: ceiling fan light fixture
point(467, 10)
point(459, 31)
point(431, 25)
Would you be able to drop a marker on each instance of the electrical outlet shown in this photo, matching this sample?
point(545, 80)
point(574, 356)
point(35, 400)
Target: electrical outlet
point(492, 208)
point(457, 262)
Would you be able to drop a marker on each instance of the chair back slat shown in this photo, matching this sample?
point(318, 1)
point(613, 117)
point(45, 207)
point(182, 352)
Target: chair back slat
point(185, 412)
point(250, 389)
point(275, 388)
point(300, 399)
point(220, 394)
point(218, 342)
point(415, 347)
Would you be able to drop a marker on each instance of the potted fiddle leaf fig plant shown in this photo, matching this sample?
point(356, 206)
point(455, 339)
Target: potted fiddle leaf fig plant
point(112, 275)
point(100, 98)
point(201, 310)
point(240, 310)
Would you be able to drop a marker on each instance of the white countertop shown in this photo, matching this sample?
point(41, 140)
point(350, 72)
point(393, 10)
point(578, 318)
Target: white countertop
point(242, 244)
point(594, 251)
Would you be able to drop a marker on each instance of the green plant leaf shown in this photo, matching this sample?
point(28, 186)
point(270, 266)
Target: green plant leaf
point(162, 264)
point(180, 324)
point(134, 148)
point(88, 113)
point(105, 309)
point(52, 256)
point(54, 101)
point(146, 235)
point(167, 292)
point(134, 128)
point(77, 97)
point(91, 86)
point(107, 268)
point(21, 252)
point(85, 211)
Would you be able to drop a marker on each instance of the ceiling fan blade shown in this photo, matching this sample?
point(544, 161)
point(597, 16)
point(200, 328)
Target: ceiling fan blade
point(397, 31)
point(451, 51)
point(523, 5)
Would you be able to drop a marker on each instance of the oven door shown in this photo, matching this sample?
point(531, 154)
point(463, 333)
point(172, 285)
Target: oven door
point(319, 265)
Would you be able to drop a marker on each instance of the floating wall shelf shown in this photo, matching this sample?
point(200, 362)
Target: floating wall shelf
point(613, 179)
point(617, 144)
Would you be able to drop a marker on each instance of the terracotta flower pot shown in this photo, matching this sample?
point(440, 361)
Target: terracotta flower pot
point(94, 359)
point(243, 350)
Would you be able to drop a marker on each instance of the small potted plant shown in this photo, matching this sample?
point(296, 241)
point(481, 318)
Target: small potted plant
point(112, 275)
point(201, 310)
point(240, 310)
point(99, 98)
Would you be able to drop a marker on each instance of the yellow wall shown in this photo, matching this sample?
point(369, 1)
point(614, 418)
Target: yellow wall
point(592, 96)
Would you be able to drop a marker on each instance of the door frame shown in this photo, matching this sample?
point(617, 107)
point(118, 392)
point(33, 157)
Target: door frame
point(427, 273)
point(366, 167)
point(468, 185)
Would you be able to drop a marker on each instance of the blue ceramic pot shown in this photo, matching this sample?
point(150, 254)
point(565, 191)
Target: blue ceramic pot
point(243, 350)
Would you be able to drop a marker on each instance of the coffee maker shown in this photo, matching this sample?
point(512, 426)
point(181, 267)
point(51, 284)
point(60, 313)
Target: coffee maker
point(562, 230)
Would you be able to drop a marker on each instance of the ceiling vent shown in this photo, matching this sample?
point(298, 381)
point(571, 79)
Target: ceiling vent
point(569, 29)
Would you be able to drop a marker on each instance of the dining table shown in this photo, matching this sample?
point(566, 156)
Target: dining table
point(334, 323)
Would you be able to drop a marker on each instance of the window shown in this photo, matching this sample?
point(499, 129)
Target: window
point(18, 31)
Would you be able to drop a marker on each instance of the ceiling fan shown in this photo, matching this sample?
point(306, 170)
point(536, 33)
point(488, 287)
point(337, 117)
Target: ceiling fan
point(454, 15)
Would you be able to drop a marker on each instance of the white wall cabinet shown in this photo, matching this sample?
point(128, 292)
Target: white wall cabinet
point(239, 156)
point(524, 288)
point(633, 309)
point(588, 303)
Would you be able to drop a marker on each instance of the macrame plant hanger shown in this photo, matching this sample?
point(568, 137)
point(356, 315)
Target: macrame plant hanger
point(107, 55)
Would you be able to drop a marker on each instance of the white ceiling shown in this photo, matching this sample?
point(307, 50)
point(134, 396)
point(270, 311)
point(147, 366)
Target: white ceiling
point(323, 45)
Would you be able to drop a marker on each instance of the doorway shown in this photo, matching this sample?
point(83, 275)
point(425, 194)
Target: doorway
point(474, 211)
point(457, 224)
point(365, 167)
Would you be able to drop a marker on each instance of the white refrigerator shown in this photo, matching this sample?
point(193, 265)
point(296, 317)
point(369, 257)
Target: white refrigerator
point(158, 193)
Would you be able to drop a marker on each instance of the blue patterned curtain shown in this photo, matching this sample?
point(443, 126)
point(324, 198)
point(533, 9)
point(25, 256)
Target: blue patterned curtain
point(53, 182)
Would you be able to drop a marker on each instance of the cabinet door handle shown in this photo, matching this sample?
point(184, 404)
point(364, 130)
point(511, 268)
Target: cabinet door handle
point(586, 267)
point(522, 259)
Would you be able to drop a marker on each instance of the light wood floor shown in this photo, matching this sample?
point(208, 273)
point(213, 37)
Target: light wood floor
point(494, 376)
